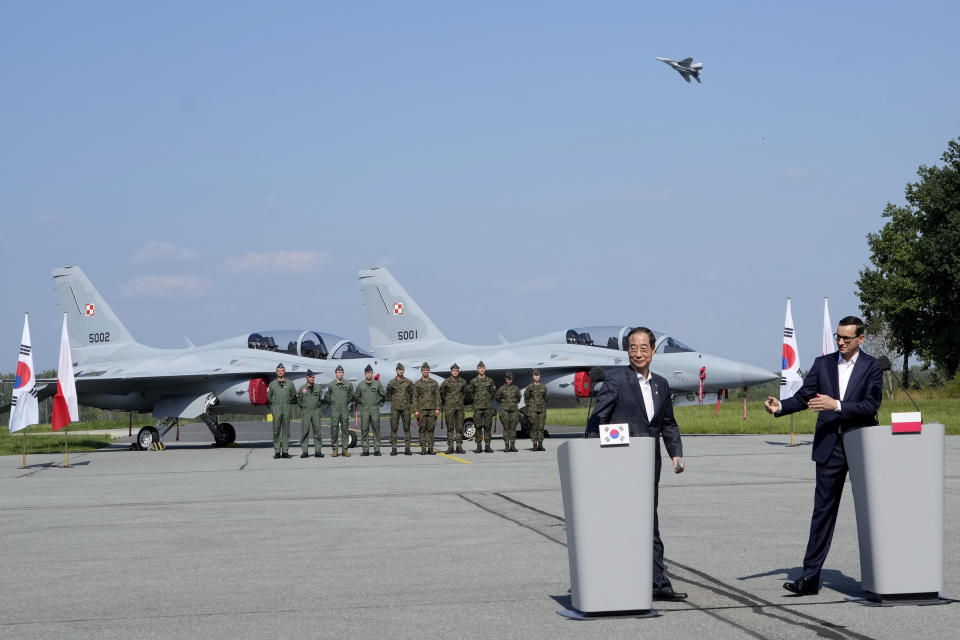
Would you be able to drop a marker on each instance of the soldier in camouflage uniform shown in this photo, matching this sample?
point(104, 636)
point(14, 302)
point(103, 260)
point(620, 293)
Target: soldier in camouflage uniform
point(508, 397)
point(281, 396)
point(340, 398)
point(482, 390)
point(310, 400)
point(535, 400)
point(453, 393)
point(400, 395)
point(369, 396)
point(426, 405)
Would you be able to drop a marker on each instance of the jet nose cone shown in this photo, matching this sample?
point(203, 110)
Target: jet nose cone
point(751, 375)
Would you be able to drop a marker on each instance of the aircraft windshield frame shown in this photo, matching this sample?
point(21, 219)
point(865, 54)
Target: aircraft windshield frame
point(306, 344)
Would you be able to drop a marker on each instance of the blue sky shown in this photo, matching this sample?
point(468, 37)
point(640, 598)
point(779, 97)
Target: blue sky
point(521, 167)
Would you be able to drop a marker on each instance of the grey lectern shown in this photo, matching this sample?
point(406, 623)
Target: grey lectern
point(897, 483)
point(608, 504)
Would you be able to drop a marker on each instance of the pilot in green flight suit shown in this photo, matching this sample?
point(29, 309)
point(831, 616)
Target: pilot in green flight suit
point(340, 398)
point(310, 399)
point(369, 396)
point(281, 396)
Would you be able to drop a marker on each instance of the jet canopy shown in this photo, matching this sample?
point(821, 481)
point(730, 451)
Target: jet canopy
point(615, 337)
point(307, 344)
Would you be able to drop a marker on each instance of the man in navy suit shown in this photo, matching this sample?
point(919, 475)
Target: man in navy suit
point(845, 388)
point(640, 398)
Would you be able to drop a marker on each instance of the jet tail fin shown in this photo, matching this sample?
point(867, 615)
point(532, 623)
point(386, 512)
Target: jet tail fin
point(91, 321)
point(393, 317)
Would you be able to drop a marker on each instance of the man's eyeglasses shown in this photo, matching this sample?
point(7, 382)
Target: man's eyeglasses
point(844, 339)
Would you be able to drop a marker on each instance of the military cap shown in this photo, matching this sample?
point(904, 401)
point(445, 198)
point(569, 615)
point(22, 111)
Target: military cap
point(455, 366)
point(339, 368)
point(535, 372)
point(425, 365)
point(508, 375)
point(480, 364)
point(400, 366)
point(280, 366)
point(367, 368)
point(310, 372)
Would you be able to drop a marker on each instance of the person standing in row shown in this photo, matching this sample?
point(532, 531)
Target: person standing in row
point(311, 409)
point(426, 404)
point(369, 396)
point(281, 396)
point(400, 395)
point(453, 393)
point(340, 399)
point(535, 400)
point(508, 397)
point(482, 390)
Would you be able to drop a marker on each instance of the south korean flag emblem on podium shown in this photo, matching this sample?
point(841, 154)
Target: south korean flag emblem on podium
point(614, 435)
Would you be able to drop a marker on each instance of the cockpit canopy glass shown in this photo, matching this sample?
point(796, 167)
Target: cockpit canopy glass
point(307, 344)
point(615, 337)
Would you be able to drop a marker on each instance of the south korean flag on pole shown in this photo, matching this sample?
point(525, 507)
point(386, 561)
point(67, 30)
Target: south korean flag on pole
point(24, 409)
point(790, 379)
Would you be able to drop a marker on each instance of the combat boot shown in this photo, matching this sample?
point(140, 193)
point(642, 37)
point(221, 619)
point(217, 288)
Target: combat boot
point(304, 455)
point(450, 449)
point(318, 454)
point(346, 454)
point(459, 449)
point(479, 448)
point(376, 453)
point(335, 454)
point(488, 448)
point(407, 452)
point(393, 451)
point(365, 453)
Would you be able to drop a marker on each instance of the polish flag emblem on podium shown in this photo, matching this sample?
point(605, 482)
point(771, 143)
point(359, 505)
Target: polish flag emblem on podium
point(907, 422)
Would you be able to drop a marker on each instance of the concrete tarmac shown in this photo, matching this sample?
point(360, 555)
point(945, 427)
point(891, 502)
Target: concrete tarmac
point(229, 543)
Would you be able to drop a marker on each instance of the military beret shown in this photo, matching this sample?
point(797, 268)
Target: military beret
point(339, 368)
point(280, 366)
point(310, 372)
point(455, 366)
point(425, 366)
point(399, 366)
point(480, 364)
point(535, 372)
point(367, 368)
point(508, 375)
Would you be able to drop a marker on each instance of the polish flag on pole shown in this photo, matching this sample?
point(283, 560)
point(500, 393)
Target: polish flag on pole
point(790, 379)
point(65, 402)
point(828, 344)
point(24, 409)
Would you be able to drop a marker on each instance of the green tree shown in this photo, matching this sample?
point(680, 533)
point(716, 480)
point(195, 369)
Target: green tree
point(913, 286)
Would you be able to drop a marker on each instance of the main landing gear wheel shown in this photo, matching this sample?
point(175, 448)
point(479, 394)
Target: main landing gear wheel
point(228, 435)
point(469, 429)
point(353, 439)
point(147, 438)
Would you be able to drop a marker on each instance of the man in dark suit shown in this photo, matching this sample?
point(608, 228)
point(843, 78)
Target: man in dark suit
point(640, 398)
point(845, 388)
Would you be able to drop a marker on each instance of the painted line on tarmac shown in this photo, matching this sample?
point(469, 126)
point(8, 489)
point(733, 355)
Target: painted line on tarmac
point(450, 457)
point(553, 527)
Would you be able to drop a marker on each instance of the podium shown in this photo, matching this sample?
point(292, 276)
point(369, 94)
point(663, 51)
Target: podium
point(608, 505)
point(898, 493)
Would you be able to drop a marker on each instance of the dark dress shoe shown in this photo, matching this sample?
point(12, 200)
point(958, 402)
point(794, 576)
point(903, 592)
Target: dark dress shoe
point(669, 595)
point(802, 587)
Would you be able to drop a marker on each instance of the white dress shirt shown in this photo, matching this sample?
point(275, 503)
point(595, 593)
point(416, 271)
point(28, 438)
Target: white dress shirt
point(646, 389)
point(844, 369)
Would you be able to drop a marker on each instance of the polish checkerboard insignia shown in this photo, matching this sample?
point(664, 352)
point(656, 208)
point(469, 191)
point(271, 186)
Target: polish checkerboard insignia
point(88, 309)
point(398, 308)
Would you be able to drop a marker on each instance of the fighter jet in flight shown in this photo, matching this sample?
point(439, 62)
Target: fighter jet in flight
point(686, 67)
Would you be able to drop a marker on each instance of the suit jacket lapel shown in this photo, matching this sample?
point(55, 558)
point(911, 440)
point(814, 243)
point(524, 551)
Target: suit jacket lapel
point(834, 374)
point(855, 375)
point(634, 385)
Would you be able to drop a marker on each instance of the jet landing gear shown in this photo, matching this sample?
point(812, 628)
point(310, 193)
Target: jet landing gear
point(151, 437)
point(224, 435)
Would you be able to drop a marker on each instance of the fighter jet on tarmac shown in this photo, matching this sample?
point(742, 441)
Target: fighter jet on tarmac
point(686, 67)
point(571, 361)
point(114, 371)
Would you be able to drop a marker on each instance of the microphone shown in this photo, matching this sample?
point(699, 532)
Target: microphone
point(884, 363)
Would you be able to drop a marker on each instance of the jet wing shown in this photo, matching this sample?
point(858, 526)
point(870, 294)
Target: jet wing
point(686, 61)
point(686, 76)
